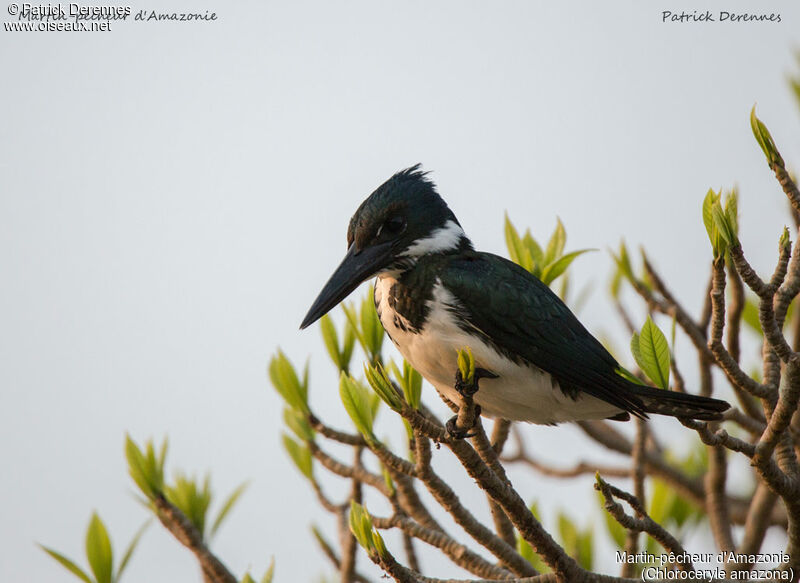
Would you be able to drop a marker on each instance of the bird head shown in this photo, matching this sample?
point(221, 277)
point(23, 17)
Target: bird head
point(402, 220)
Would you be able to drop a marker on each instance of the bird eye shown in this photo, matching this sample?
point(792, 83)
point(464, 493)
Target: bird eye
point(394, 225)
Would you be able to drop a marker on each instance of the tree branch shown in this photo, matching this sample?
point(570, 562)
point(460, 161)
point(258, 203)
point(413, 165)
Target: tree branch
point(642, 524)
point(189, 536)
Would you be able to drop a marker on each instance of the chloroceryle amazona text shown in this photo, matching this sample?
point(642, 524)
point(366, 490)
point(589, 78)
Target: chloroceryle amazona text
point(436, 295)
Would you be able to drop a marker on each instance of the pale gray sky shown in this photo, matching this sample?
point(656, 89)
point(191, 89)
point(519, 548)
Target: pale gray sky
point(175, 194)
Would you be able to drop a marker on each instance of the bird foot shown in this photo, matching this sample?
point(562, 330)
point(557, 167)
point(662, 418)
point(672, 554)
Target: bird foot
point(469, 389)
point(456, 432)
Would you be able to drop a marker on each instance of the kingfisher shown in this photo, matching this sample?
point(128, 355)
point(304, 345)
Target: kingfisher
point(435, 295)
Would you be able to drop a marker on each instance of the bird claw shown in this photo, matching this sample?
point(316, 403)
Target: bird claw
point(456, 432)
point(468, 389)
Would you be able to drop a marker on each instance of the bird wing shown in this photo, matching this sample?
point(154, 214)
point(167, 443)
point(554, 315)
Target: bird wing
point(526, 321)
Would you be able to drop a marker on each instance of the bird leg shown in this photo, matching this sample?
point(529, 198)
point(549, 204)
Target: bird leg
point(460, 426)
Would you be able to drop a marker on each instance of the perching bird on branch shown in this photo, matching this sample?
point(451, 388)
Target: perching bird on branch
point(435, 295)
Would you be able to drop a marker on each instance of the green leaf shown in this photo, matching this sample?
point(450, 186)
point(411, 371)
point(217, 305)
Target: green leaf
point(68, 564)
point(191, 499)
point(358, 404)
point(297, 422)
point(331, 340)
point(711, 202)
point(624, 372)
point(584, 551)
point(284, 379)
point(361, 527)
point(764, 140)
point(513, 242)
point(380, 383)
point(576, 542)
point(794, 82)
point(146, 468)
point(248, 579)
point(553, 270)
point(724, 228)
point(229, 503)
point(387, 479)
point(410, 435)
point(636, 352)
point(319, 536)
point(680, 511)
point(270, 573)
point(371, 326)
point(750, 315)
point(785, 240)
point(673, 329)
point(136, 467)
point(654, 354)
point(412, 388)
point(732, 212)
point(348, 344)
point(522, 251)
point(466, 364)
point(694, 464)
point(410, 382)
point(351, 314)
point(667, 507)
point(98, 550)
point(615, 530)
point(555, 246)
point(568, 532)
point(300, 455)
point(660, 501)
point(795, 85)
point(623, 261)
point(126, 556)
point(564, 288)
point(374, 405)
point(535, 255)
point(616, 283)
point(526, 551)
point(366, 326)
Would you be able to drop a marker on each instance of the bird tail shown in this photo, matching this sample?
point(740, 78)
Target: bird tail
point(661, 402)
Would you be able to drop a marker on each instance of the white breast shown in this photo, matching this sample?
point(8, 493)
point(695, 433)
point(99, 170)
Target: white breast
point(520, 393)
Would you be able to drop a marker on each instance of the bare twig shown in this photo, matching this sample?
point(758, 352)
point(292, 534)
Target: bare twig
point(449, 500)
point(580, 469)
point(458, 553)
point(721, 355)
point(638, 473)
point(528, 526)
point(687, 486)
point(189, 536)
point(769, 325)
point(349, 545)
point(735, 311)
point(755, 527)
point(642, 524)
point(782, 414)
point(333, 434)
point(716, 499)
point(329, 552)
point(502, 524)
point(346, 471)
point(787, 184)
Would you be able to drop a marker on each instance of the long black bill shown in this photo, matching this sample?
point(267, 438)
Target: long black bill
point(354, 268)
